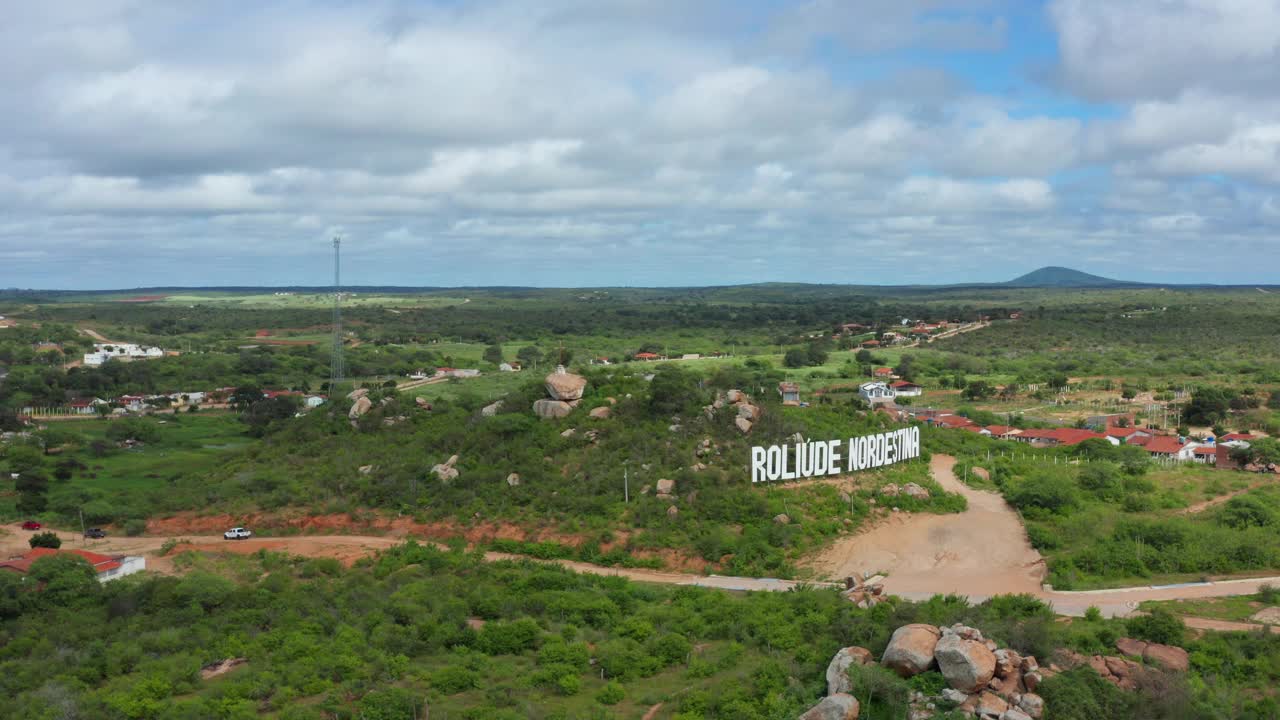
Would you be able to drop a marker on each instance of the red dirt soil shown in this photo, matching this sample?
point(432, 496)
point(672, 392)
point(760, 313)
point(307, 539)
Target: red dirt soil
point(189, 523)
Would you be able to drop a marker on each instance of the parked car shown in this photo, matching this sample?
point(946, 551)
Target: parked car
point(31, 525)
point(97, 533)
point(237, 533)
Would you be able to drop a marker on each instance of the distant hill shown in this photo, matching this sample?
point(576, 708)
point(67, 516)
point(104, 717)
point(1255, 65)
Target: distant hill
point(1061, 277)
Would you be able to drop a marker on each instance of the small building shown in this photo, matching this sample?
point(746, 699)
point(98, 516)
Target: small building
point(1205, 454)
point(313, 401)
point(647, 356)
point(882, 372)
point(1001, 432)
point(875, 393)
point(85, 406)
point(1168, 447)
point(950, 421)
point(1127, 435)
point(790, 393)
point(108, 567)
point(869, 344)
point(906, 389)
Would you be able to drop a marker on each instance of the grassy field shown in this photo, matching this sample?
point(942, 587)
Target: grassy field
point(132, 480)
point(1240, 608)
point(309, 300)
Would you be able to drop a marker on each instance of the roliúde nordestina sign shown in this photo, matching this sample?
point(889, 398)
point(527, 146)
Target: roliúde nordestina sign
point(831, 457)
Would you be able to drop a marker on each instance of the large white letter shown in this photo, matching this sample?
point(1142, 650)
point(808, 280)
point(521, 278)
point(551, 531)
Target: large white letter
point(757, 464)
point(833, 459)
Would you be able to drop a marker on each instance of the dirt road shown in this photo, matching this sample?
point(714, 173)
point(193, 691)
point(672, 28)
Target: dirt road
point(978, 553)
point(983, 550)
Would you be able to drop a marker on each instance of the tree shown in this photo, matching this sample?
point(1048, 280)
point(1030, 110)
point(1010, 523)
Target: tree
point(31, 487)
point(1058, 381)
point(245, 396)
point(47, 539)
point(795, 358)
point(672, 390)
point(493, 354)
point(262, 413)
point(1208, 405)
point(529, 355)
point(66, 578)
point(978, 390)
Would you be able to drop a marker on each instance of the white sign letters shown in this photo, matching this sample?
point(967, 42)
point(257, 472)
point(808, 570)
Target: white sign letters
point(832, 457)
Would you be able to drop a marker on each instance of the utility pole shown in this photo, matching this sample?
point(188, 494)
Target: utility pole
point(335, 359)
point(626, 484)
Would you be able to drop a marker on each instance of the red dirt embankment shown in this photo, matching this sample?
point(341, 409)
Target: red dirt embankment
point(399, 528)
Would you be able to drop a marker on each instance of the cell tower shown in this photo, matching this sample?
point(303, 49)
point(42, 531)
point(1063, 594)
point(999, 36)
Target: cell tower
point(335, 360)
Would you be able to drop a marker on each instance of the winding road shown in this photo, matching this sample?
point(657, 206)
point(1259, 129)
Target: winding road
point(977, 553)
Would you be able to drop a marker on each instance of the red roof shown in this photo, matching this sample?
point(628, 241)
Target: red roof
point(1000, 429)
point(899, 384)
point(1236, 436)
point(1165, 445)
point(883, 371)
point(646, 356)
point(954, 421)
point(81, 403)
point(1062, 436)
point(1123, 432)
point(1205, 450)
point(100, 563)
point(870, 343)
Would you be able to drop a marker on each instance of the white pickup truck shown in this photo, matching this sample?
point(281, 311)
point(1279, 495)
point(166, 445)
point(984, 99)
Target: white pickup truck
point(237, 533)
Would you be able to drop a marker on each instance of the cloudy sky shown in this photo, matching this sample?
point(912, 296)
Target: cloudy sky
point(637, 142)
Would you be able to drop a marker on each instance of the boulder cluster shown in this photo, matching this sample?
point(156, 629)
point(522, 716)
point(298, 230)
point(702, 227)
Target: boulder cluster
point(1123, 672)
point(564, 393)
point(864, 593)
point(746, 413)
point(910, 490)
point(983, 680)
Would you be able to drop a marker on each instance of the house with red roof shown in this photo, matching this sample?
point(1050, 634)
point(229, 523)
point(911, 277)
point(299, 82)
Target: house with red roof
point(906, 389)
point(955, 422)
point(647, 356)
point(108, 567)
point(1244, 437)
point(1001, 432)
point(882, 372)
point(1059, 437)
point(1168, 447)
point(1206, 454)
point(870, 343)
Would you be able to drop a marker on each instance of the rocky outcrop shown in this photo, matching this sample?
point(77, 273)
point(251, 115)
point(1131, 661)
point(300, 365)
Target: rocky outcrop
point(672, 511)
point(913, 490)
point(743, 424)
point(547, 409)
point(513, 479)
point(965, 661)
point(564, 385)
point(446, 470)
point(782, 519)
point(422, 403)
point(911, 649)
point(601, 413)
point(361, 406)
point(1168, 657)
point(491, 409)
point(840, 706)
point(838, 668)
point(357, 393)
point(891, 490)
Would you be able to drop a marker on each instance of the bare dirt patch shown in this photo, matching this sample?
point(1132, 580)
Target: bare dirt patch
point(1267, 616)
point(983, 550)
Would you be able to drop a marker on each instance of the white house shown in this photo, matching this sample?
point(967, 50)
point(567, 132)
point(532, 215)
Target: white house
point(876, 393)
point(313, 401)
point(120, 351)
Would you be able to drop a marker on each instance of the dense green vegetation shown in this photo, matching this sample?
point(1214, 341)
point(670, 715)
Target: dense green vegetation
point(418, 626)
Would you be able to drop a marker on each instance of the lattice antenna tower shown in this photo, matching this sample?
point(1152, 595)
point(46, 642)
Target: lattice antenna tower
point(335, 360)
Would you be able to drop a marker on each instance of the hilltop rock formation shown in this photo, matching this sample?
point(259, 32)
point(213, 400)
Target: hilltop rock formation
point(564, 385)
point(565, 391)
point(838, 669)
point(361, 406)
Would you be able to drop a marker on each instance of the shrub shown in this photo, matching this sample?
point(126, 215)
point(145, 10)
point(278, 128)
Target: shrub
point(134, 528)
point(47, 539)
point(611, 694)
point(1269, 594)
point(1158, 626)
